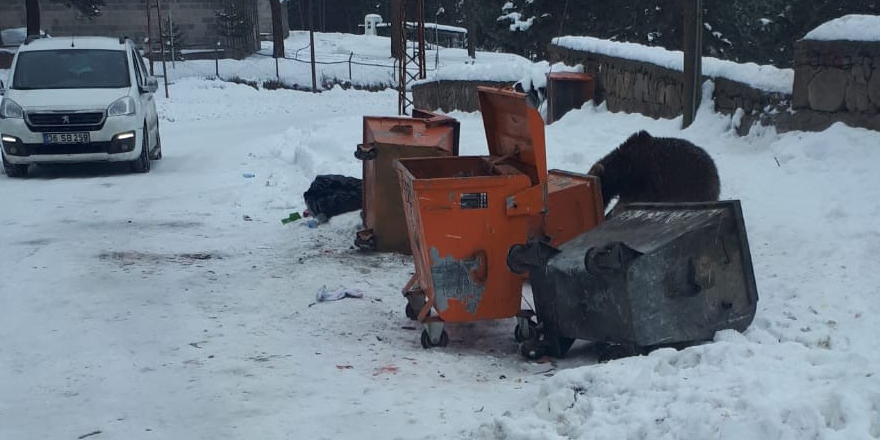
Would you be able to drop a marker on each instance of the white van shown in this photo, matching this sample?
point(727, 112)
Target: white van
point(78, 99)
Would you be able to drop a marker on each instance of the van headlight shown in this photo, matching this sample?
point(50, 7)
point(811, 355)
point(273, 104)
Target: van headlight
point(122, 107)
point(10, 109)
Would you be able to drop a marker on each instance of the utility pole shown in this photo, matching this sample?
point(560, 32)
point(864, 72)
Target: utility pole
point(162, 43)
point(312, 44)
point(150, 37)
point(693, 56)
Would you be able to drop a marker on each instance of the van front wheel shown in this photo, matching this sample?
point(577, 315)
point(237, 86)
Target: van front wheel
point(14, 170)
point(142, 163)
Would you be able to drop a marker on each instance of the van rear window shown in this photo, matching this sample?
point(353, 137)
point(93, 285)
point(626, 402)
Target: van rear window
point(71, 69)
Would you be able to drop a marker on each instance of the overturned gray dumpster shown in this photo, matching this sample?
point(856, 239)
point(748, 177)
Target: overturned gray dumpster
point(655, 274)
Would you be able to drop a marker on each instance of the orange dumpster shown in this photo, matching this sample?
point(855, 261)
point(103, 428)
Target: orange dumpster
point(464, 214)
point(384, 140)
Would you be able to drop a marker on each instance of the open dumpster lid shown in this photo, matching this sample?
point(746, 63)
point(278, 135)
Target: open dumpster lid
point(514, 130)
point(424, 129)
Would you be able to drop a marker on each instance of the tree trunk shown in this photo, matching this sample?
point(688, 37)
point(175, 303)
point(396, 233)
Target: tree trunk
point(472, 29)
point(277, 30)
point(32, 7)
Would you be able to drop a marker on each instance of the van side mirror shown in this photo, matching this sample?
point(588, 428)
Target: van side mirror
point(152, 84)
point(2, 88)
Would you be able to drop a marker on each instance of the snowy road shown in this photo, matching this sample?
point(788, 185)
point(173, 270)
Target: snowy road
point(149, 307)
point(145, 306)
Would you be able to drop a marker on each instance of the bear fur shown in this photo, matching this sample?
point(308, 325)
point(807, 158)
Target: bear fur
point(649, 169)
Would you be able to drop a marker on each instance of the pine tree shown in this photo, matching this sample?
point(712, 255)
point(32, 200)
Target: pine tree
point(174, 39)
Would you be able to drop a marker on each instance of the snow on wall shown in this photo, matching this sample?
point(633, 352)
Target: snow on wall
point(853, 27)
point(769, 78)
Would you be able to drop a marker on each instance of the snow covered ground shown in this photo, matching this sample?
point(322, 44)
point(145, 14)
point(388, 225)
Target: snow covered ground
point(372, 65)
point(176, 305)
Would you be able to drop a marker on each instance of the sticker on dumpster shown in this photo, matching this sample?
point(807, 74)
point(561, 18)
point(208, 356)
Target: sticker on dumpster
point(452, 280)
point(474, 200)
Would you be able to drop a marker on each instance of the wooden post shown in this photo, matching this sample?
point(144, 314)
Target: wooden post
point(162, 43)
point(693, 55)
point(312, 44)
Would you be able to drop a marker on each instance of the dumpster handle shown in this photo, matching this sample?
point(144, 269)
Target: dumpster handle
point(365, 151)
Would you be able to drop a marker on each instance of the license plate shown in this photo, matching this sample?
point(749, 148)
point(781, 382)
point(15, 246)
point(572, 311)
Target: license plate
point(66, 138)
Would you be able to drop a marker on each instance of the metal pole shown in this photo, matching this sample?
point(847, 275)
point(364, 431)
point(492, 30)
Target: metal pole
point(349, 65)
point(171, 38)
point(150, 38)
point(162, 45)
point(217, 61)
point(436, 43)
point(277, 70)
point(312, 44)
point(693, 50)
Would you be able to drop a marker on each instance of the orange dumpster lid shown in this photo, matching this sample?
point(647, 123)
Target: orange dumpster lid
point(514, 130)
point(570, 76)
point(419, 132)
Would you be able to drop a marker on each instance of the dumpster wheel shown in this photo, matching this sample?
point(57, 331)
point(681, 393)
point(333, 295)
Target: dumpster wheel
point(442, 341)
point(525, 329)
point(532, 349)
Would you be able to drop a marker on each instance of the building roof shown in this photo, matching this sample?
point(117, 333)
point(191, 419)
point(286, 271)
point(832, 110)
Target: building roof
point(55, 43)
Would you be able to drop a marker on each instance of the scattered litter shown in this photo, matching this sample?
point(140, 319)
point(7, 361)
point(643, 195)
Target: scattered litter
point(90, 434)
point(387, 369)
point(325, 294)
point(248, 175)
point(344, 367)
point(294, 216)
point(247, 218)
point(311, 223)
point(408, 327)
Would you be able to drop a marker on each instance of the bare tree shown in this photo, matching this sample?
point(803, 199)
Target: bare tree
point(277, 29)
point(32, 8)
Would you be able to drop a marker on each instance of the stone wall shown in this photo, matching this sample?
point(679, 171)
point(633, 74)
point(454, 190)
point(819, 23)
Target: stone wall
point(628, 85)
point(836, 81)
point(196, 18)
point(450, 95)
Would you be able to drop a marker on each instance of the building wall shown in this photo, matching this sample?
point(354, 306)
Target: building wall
point(196, 18)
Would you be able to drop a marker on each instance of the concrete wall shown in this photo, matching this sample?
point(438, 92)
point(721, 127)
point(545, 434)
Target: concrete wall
point(196, 18)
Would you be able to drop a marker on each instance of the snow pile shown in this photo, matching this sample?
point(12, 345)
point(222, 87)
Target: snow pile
point(537, 77)
point(762, 77)
point(738, 387)
point(487, 67)
point(853, 27)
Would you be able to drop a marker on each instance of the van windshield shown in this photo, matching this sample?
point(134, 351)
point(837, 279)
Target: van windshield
point(71, 69)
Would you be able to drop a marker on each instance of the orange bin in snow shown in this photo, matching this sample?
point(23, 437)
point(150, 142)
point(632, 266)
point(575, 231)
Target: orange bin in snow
point(385, 139)
point(465, 213)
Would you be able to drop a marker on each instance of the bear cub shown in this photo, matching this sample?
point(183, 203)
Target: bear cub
point(649, 169)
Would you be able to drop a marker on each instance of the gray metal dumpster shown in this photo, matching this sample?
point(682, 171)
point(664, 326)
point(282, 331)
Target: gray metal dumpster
point(655, 274)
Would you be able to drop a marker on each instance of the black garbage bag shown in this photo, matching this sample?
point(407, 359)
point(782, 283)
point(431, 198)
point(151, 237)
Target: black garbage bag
point(333, 194)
